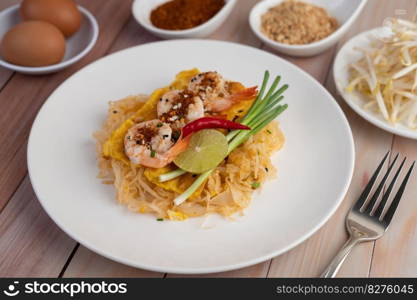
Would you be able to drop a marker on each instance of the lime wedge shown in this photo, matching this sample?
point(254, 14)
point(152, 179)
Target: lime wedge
point(206, 150)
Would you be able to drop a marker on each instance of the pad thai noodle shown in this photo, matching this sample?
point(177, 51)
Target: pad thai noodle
point(201, 145)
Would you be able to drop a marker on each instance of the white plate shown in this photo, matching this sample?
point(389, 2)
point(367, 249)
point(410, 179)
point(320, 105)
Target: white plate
point(314, 168)
point(355, 100)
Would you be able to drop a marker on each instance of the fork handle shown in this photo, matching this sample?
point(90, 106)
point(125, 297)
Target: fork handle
point(338, 260)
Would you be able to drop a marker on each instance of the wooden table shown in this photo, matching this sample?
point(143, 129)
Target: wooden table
point(32, 245)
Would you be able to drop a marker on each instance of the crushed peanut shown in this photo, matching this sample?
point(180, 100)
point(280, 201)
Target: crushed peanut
point(295, 22)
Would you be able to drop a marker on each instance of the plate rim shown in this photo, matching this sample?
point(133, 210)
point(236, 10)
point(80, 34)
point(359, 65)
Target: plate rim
point(203, 270)
point(368, 116)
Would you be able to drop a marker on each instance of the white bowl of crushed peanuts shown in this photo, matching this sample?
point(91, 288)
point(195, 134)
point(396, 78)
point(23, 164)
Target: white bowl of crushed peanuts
point(303, 28)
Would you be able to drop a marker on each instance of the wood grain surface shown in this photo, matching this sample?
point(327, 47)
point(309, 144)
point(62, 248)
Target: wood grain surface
point(32, 245)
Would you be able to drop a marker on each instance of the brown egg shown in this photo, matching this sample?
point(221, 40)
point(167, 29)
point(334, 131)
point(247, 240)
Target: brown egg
point(64, 14)
point(33, 44)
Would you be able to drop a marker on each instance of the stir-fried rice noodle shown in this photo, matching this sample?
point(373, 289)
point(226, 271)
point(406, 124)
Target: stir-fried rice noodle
point(227, 191)
point(387, 74)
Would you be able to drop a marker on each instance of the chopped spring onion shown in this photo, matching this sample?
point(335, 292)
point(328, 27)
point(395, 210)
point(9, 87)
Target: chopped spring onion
point(262, 112)
point(256, 185)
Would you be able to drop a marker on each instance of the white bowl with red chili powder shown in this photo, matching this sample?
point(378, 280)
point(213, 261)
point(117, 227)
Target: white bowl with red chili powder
point(303, 28)
point(175, 19)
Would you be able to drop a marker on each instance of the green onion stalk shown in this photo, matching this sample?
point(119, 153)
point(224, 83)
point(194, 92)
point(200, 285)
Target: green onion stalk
point(264, 109)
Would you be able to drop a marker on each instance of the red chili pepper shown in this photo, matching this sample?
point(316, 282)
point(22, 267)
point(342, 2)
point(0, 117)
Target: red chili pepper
point(210, 122)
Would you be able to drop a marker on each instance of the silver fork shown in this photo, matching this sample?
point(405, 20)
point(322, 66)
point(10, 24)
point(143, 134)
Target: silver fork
point(366, 221)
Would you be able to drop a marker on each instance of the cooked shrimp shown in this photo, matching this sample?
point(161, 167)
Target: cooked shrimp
point(209, 85)
point(150, 144)
point(180, 107)
point(214, 90)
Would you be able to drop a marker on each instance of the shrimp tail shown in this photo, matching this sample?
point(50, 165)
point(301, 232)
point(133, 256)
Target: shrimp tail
point(162, 160)
point(244, 95)
point(179, 147)
point(222, 104)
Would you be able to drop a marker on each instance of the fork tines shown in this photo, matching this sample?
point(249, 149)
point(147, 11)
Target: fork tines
point(367, 207)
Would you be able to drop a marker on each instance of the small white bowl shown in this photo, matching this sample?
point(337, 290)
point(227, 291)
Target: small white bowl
point(345, 12)
point(77, 46)
point(142, 10)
